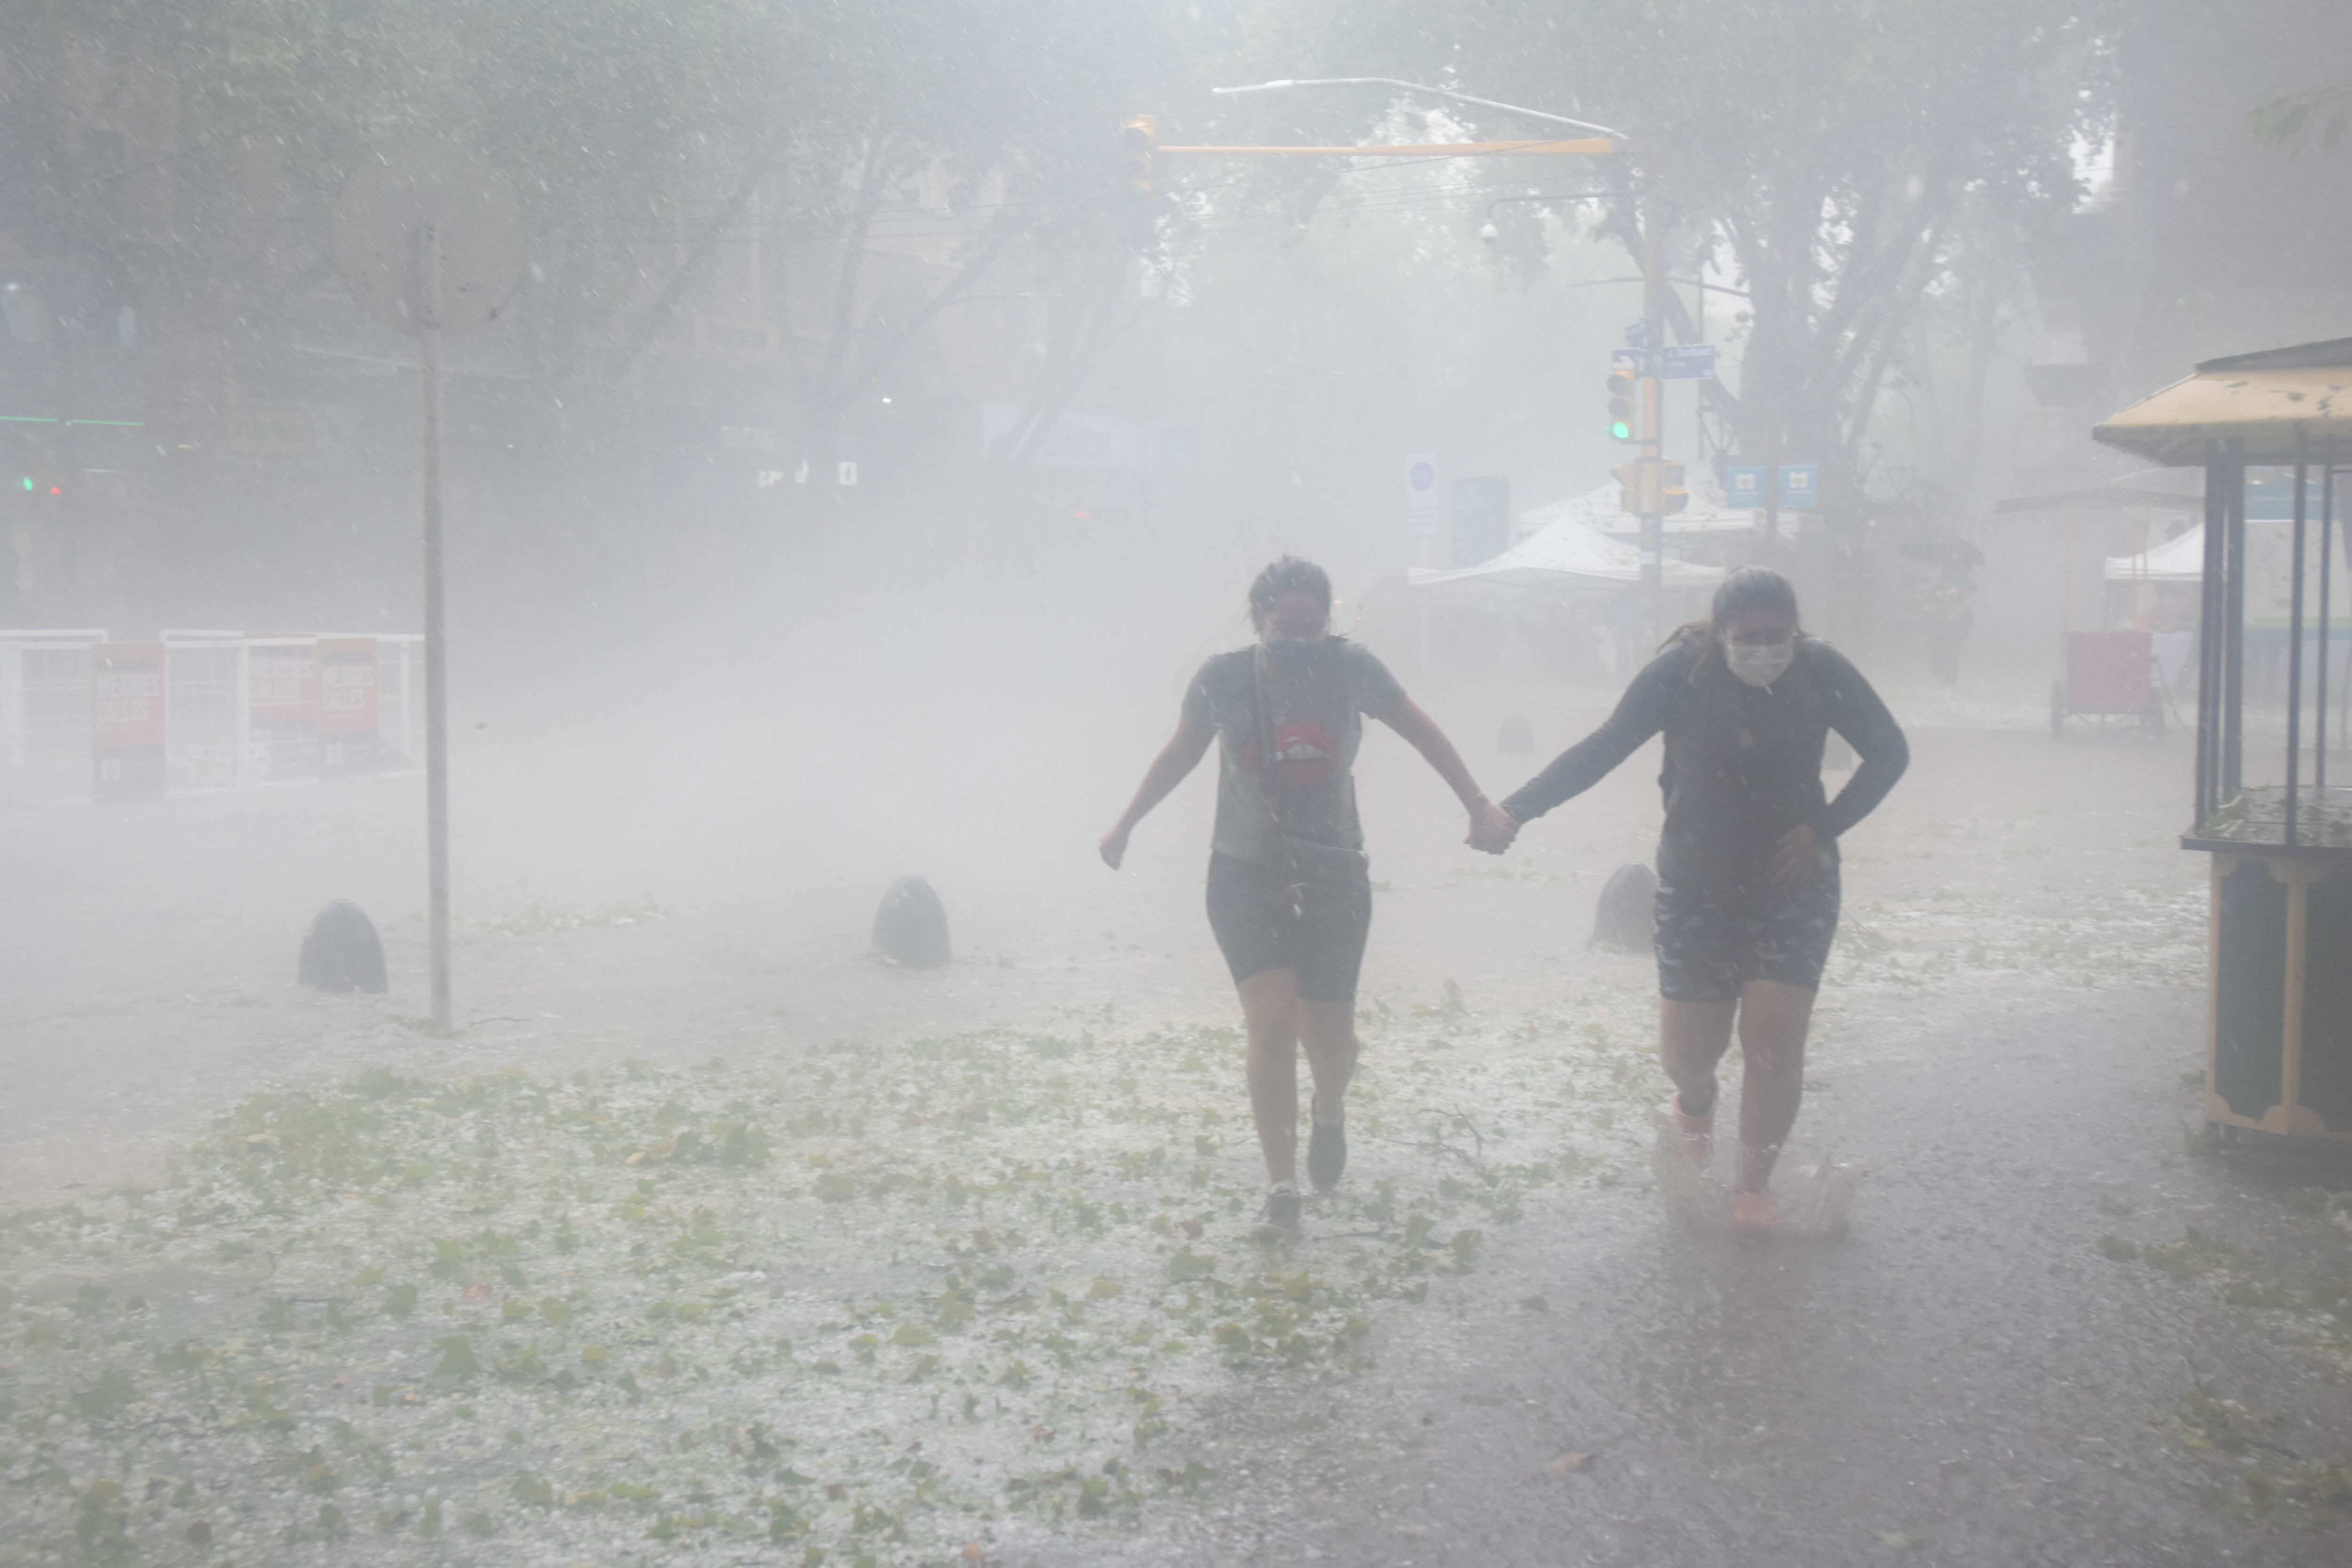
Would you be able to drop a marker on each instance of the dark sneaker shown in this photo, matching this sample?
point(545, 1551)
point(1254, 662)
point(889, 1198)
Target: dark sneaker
point(1326, 1153)
point(1278, 1221)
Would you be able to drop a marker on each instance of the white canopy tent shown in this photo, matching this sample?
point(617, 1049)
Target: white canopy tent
point(1566, 554)
point(2180, 560)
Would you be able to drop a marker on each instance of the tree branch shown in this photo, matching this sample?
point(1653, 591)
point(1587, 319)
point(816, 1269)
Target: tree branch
point(1056, 397)
point(871, 183)
point(1054, 382)
point(689, 272)
point(999, 232)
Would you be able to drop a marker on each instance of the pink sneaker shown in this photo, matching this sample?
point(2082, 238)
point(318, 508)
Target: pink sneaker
point(1697, 1132)
point(1756, 1211)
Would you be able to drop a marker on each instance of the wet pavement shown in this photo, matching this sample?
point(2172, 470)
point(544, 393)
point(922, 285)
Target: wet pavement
point(1965, 1377)
point(1969, 1376)
point(2020, 1354)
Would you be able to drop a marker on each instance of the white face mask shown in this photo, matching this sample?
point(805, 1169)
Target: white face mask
point(1759, 664)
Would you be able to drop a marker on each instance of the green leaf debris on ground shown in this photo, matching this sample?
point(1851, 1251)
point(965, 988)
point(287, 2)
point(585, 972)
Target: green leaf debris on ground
point(878, 1305)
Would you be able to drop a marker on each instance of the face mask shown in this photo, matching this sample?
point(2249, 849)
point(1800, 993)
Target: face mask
point(1292, 657)
point(1759, 664)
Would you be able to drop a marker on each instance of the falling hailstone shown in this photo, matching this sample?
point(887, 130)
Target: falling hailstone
point(1815, 1194)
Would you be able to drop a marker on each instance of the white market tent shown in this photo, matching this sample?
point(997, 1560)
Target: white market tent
point(1566, 553)
point(2180, 560)
point(1597, 509)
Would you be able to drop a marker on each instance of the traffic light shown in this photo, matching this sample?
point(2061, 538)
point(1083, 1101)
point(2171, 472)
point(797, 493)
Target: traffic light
point(1672, 496)
point(1629, 487)
point(1137, 199)
point(1138, 151)
point(1621, 400)
point(1647, 489)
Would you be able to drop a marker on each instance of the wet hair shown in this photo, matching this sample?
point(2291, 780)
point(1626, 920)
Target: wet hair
point(1748, 589)
point(1288, 576)
point(1751, 588)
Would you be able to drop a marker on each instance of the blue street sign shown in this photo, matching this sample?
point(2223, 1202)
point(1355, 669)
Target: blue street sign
point(1801, 486)
point(1626, 359)
point(1423, 511)
point(1689, 361)
point(1637, 336)
point(1743, 486)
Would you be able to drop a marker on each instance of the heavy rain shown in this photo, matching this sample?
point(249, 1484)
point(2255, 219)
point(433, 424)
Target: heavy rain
point(904, 782)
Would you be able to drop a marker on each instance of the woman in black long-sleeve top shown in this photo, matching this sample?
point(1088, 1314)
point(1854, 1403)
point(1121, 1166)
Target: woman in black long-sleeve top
point(1747, 862)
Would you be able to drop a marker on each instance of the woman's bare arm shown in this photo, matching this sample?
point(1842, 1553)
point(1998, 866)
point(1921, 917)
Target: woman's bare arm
point(1178, 758)
point(1491, 828)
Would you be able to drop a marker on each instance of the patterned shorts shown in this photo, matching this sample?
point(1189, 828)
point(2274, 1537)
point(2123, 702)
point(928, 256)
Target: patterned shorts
point(1713, 941)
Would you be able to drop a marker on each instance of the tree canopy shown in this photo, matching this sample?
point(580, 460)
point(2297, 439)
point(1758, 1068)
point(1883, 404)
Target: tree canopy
point(1846, 159)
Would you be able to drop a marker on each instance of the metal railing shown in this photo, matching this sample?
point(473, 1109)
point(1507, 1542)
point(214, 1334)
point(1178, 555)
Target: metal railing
point(239, 710)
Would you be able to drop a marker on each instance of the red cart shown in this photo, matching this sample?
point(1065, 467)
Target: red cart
point(2109, 675)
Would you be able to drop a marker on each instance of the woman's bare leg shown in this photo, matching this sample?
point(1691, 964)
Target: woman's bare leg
point(1327, 1030)
point(1692, 1039)
point(1773, 1018)
point(1271, 1009)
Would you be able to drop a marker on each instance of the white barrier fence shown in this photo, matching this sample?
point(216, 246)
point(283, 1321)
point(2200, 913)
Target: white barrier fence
point(83, 717)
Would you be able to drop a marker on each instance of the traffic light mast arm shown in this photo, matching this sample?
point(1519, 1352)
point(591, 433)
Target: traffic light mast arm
point(1447, 93)
point(1609, 140)
point(1584, 147)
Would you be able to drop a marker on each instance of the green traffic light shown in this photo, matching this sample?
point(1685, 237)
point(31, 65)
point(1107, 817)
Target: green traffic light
point(1619, 430)
point(26, 482)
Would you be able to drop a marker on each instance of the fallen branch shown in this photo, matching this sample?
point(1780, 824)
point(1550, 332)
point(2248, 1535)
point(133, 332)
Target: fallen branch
point(1477, 1156)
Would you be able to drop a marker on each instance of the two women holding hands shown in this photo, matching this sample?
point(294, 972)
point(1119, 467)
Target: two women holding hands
point(1748, 862)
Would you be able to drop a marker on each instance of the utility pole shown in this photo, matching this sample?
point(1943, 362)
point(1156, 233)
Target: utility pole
point(1653, 419)
point(429, 237)
point(437, 631)
point(1651, 487)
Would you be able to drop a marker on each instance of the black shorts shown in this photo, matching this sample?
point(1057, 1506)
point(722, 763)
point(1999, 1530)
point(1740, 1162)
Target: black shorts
point(1712, 941)
point(1264, 920)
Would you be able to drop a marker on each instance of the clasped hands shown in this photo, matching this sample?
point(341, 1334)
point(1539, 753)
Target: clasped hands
point(1491, 827)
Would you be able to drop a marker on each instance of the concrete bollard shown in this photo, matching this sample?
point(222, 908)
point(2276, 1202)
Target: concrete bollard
point(912, 926)
point(1626, 919)
point(342, 950)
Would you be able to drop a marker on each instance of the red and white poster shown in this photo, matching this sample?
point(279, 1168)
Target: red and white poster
point(347, 707)
point(126, 721)
point(282, 710)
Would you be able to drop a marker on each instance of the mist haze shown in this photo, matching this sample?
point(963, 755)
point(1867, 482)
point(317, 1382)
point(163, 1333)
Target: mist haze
point(878, 427)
